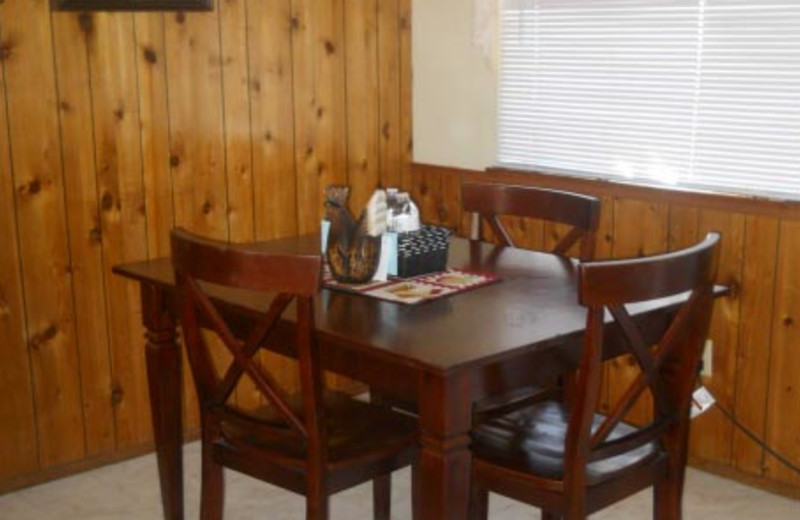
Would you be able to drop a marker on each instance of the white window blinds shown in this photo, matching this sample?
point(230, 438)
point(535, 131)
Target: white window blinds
point(703, 94)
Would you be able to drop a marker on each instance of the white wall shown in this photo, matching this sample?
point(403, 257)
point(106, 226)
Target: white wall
point(454, 96)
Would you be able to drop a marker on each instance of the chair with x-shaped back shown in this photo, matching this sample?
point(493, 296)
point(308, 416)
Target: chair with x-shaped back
point(316, 443)
point(572, 461)
point(492, 201)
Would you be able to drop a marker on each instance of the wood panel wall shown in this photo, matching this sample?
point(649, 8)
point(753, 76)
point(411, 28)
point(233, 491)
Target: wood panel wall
point(114, 127)
point(756, 343)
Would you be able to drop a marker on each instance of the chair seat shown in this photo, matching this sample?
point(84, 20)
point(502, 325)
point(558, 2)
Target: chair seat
point(531, 440)
point(357, 430)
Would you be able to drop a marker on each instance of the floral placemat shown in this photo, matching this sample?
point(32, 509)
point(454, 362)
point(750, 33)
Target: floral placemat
point(418, 289)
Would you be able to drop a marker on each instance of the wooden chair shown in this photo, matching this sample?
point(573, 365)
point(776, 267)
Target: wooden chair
point(491, 201)
point(316, 443)
point(582, 212)
point(572, 462)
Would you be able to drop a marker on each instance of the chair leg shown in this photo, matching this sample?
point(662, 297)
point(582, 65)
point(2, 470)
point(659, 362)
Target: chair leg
point(382, 497)
point(212, 487)
point(668, 492)
point(575, 511)
point(317, 507)
point(478, 503)
point(667, 500)
point(416, 492)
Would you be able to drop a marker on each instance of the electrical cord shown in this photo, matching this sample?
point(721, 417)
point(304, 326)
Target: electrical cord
point(755, 438)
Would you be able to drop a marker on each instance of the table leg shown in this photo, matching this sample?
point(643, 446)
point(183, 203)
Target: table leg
point(445, 464)
point(164, 382)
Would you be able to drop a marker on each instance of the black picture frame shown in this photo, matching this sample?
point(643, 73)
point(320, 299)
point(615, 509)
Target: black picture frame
point(133, 5)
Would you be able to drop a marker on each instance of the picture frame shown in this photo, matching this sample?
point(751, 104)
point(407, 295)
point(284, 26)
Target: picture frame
point(133, 5)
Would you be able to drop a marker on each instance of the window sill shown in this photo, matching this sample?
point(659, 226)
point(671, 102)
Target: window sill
point(618, 188)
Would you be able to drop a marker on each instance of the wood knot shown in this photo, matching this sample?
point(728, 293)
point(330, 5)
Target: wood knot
point(38, 340)
point(295, 23)
point(119, 113)
point(117, 394)
point(787, 321)
point(107, 202)
point(320, 112)
point(309, 151)
point(268, 136)
point(256, 85)
point(5, 50)
point(174, 161)
point(330, 48)
point(149, 55)
point(180, 17)
point(608, 238)
point(320, 169)
point(85, 23)
point(65, 106)
point(34, 187)
point(385, 130)
point(95, 235)
point(733, 288)
point(207, 207)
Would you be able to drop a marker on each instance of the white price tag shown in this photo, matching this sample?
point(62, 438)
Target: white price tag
point(702, 400)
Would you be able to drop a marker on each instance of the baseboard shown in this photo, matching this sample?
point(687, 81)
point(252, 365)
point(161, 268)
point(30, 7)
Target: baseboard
point(65, 470)
point(726, 471)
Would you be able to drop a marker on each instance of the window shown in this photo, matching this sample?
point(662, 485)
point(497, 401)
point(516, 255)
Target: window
point(702, 94)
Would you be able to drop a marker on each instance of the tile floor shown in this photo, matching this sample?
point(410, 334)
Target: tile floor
point(129, 491)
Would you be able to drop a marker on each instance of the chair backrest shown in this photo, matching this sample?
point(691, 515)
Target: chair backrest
point(668, 369)
point(284, 278)
point(491, 201)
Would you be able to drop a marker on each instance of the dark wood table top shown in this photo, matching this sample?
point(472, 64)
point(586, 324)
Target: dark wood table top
point(533, 306)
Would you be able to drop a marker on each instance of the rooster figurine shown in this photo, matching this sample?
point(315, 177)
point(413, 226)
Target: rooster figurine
point(354, 247)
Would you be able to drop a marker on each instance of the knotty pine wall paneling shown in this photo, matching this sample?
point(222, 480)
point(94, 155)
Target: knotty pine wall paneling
point(269, 37)
point(389, 29)
point(18, 446)
point(406, 91)
point(236, 119)
point(783, 405)
point(44, 249)
point(363, 99)
point(755, 338)
point(754, 329)
point(117, 126)
point(319, 102)
point(85, 230)
point(151, 74)
point(112, 63)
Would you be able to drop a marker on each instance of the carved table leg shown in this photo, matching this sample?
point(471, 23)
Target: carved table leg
point(164, 382)
point(445, 463)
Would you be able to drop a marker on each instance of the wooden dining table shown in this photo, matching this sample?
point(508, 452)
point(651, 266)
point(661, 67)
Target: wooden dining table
point(439, 357)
